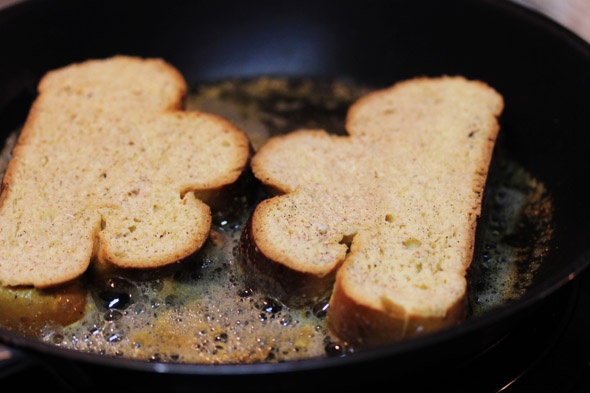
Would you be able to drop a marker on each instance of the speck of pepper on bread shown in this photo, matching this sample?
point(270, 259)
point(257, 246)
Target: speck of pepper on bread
point(382, 220)
point(108, 167)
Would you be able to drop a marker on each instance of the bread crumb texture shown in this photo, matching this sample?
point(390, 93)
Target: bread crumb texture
point(390, 209)
point(106, 168)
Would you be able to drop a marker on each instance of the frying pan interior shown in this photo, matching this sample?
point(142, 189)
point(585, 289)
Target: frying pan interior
point(542, 70)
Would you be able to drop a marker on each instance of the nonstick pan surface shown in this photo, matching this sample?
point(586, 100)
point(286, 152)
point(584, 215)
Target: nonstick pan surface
point(541, 69)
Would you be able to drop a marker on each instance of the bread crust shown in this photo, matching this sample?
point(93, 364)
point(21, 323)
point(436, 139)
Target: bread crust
point(387, 213)
point(296, 288)
point(109, 167)
point(30, 310)
point(372, 327)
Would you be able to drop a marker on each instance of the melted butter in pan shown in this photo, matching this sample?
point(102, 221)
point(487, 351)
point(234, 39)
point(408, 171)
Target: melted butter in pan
point(200, 310)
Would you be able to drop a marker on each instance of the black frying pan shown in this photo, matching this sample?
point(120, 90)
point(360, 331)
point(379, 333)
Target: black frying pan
point(542, 70)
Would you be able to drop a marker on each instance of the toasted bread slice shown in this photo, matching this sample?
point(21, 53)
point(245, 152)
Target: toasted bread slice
point(108, 166)
point(387, 215)
point(29, 310)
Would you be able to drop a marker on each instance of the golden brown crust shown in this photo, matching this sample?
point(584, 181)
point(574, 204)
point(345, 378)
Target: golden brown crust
point(29, 310)
point(296, 288)
point(108, 166)
point(364, 326)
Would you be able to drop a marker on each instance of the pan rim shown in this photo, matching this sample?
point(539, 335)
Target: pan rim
point(529, 299)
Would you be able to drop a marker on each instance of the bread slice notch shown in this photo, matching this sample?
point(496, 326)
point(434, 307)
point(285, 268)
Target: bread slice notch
point(387, 215)
point(109, 167)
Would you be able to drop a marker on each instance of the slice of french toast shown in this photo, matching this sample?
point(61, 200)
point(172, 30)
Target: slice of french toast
point(109, 167)
point(382, 220)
